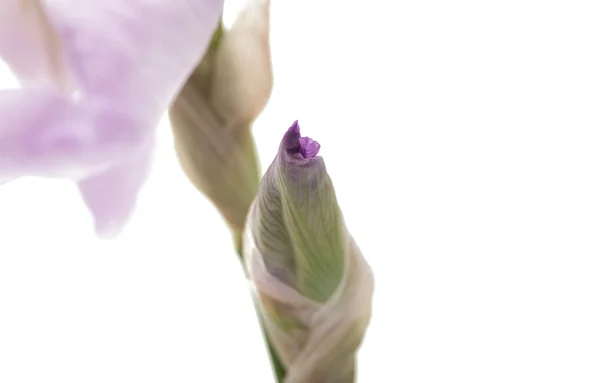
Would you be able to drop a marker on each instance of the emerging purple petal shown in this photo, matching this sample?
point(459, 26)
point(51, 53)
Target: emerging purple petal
point(308, 147)
point(294, 143)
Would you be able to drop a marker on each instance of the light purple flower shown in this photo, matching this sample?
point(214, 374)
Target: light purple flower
point(96, 77)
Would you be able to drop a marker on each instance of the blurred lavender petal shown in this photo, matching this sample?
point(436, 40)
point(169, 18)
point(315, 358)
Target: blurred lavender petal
point(136, 52)
point(111, 195)
point(30, 44)
point(128, 59)
point(46, 133)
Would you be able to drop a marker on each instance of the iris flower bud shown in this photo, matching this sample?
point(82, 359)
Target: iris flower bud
point(212, 116)
point(313, 284)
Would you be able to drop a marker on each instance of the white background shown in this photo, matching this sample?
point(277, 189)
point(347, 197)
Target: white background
point(462, 138)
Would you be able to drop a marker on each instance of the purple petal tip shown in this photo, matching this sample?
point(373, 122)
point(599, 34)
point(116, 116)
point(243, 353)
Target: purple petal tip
point(294, 143)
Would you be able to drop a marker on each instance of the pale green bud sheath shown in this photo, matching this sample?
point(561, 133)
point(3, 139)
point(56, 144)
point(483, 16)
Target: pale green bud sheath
point(212, 117)
point(314, 286)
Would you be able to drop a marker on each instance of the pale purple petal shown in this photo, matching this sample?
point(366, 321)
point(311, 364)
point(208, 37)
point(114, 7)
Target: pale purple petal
point(112, 194)
point(129, 58)
point(45, 133)
point(136, 52)
point(308, 147)
point(30, 45)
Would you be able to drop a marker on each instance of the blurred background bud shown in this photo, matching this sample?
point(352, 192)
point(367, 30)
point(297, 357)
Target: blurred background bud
point(314, 286)
point(213, 114)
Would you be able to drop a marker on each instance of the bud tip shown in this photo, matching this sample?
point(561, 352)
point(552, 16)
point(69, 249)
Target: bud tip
point(294, 143)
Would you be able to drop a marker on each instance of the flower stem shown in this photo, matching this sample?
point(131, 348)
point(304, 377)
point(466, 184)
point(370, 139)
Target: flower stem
point(276, 364)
